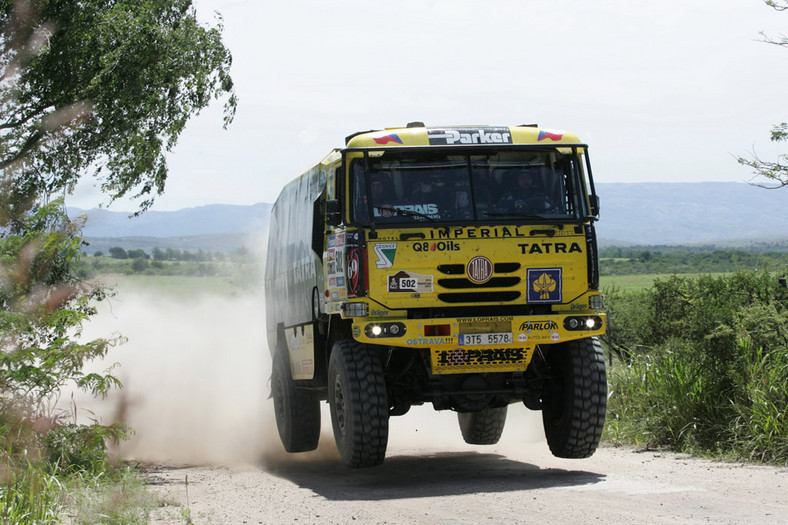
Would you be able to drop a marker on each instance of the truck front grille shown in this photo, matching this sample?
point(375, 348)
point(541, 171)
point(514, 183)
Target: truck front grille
point(495, 282)
point(489, 291)
point(459, 269)
point(478, 297)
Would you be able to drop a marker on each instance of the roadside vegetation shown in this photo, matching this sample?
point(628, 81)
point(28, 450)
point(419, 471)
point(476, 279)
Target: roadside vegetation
point(51, 466)
point(700, 365)
point(93, 88)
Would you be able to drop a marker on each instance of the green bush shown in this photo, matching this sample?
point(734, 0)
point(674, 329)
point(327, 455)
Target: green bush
point(705, 366)
point(140, 265)
point(81, 448)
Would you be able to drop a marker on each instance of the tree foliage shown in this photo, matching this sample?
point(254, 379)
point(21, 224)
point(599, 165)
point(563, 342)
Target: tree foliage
point(42, 308)
point(103, 88)
point(776, 172)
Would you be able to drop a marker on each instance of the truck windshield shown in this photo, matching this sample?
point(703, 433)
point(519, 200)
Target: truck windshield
point(433, 186)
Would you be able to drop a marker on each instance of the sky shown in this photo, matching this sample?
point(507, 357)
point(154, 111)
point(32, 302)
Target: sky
point(667, 91)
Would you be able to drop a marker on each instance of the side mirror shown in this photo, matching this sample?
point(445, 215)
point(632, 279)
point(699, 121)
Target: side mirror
point(594, 205)
point(333, 213)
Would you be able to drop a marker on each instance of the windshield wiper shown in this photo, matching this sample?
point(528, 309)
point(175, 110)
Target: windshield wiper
point(406, 213)
point(514, 214)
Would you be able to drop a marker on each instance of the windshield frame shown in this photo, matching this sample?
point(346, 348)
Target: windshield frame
point(579, 189)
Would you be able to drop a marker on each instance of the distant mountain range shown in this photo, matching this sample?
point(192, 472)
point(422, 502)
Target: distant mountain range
point(691, 213)
point(212, 219)
point(631, 213)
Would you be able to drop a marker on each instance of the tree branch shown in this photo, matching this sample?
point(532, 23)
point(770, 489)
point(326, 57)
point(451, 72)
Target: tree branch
point(31, 142)
point(34, 112)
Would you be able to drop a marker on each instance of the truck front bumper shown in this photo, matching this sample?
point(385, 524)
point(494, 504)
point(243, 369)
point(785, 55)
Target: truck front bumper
point(480, 344)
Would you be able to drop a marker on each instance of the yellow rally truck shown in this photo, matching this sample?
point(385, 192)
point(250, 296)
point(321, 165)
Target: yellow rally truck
point(456, 266)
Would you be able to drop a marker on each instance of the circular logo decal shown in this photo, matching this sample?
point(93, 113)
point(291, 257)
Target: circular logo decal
point(479, 269)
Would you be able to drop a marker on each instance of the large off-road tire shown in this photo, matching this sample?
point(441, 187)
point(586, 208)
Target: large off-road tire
point(359, 407)
point(484, 427)
point(297, 410)
point(574, 406)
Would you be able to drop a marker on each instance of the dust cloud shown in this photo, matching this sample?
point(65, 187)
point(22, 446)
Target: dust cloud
point(195, 374)
point(196, 385)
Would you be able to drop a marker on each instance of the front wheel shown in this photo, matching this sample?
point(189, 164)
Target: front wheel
point(484, 427)
point(359, 406)
point(574, 405)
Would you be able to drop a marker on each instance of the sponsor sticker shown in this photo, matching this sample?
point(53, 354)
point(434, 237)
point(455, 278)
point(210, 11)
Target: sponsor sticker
point(460, 136)
point(306, 367)
point(353, 272)
point(539, 326)
point(428, 209)
point(544, 285)
point(431, 341)
point(409, 282)
point(441, 246)
point(460, 360)
point(540, 330)
point(386, 253)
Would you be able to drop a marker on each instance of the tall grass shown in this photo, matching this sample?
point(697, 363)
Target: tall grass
point(52, 471)
point(29, 493)
point(118, 498)
point(760, 427)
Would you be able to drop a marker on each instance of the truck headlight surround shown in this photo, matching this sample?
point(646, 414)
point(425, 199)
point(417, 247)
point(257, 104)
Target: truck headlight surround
point(583, 322)
point(377, 330)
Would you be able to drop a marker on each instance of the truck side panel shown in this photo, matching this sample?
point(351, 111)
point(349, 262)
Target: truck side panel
point(292, 271)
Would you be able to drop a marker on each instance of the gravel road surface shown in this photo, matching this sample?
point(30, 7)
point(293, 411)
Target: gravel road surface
point(513, 482)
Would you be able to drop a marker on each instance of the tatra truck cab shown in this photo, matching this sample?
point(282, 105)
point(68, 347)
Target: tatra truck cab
point(455, 266)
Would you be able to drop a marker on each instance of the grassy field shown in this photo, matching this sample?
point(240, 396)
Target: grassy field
point(640, 281)
point(183, 286)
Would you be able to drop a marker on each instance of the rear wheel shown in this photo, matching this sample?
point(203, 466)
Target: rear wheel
point(297, 411)
point(359, 407)
point(574, 406)
point(484, 427)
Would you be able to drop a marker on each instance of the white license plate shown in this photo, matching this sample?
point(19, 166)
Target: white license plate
point(500, 338)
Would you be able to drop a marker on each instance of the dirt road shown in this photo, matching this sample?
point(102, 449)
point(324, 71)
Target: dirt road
point(508, 483)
